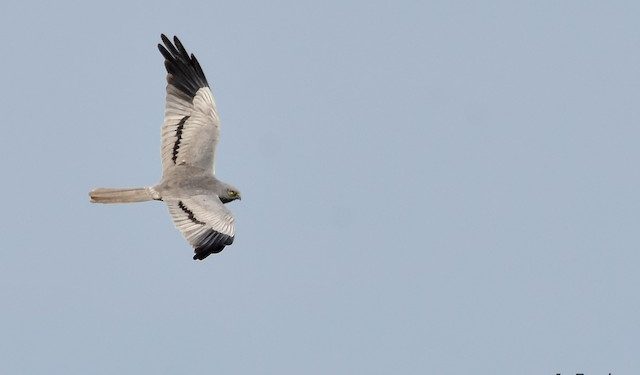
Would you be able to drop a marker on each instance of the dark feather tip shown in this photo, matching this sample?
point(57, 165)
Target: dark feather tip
point(184, 71)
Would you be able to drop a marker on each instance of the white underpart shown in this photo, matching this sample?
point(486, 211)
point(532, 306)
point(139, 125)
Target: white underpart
point(205, 208)
point(200, 133)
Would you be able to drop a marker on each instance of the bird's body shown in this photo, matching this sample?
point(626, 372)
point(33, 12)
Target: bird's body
point(194, 196)
point(187, 180)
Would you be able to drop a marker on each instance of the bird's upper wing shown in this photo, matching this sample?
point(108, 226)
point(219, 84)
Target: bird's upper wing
point(205, 222)
point(191, 124)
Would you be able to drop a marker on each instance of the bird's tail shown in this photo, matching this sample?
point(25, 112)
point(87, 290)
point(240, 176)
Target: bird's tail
point(130, 195)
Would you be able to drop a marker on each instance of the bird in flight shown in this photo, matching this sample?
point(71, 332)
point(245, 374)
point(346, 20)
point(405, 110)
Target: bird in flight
point(190, 133)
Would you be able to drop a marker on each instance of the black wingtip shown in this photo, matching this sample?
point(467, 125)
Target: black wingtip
point(215, 243)
point(203, 252)
point(184, 71)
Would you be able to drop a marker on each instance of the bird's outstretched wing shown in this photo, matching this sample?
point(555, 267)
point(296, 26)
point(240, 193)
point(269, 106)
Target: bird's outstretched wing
point(205, 222)
point(191, 124)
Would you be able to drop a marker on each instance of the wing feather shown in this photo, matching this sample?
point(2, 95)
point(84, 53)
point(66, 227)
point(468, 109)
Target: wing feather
point(191, 127)
point(205, 222)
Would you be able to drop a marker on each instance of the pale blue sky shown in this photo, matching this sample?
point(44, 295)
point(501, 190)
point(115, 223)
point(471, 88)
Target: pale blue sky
point(428, 187)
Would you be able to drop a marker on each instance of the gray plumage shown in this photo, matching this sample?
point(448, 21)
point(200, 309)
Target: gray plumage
point(191, 130)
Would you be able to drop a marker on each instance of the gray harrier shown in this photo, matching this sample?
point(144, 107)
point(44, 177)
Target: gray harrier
point(191, 130)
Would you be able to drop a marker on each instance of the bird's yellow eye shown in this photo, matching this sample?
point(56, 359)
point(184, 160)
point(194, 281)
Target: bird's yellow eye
point(232, 193)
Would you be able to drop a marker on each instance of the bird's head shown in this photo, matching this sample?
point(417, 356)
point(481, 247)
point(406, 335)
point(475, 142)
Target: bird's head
point(228, 193)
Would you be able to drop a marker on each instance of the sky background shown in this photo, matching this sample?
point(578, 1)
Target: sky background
point(428, 187)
